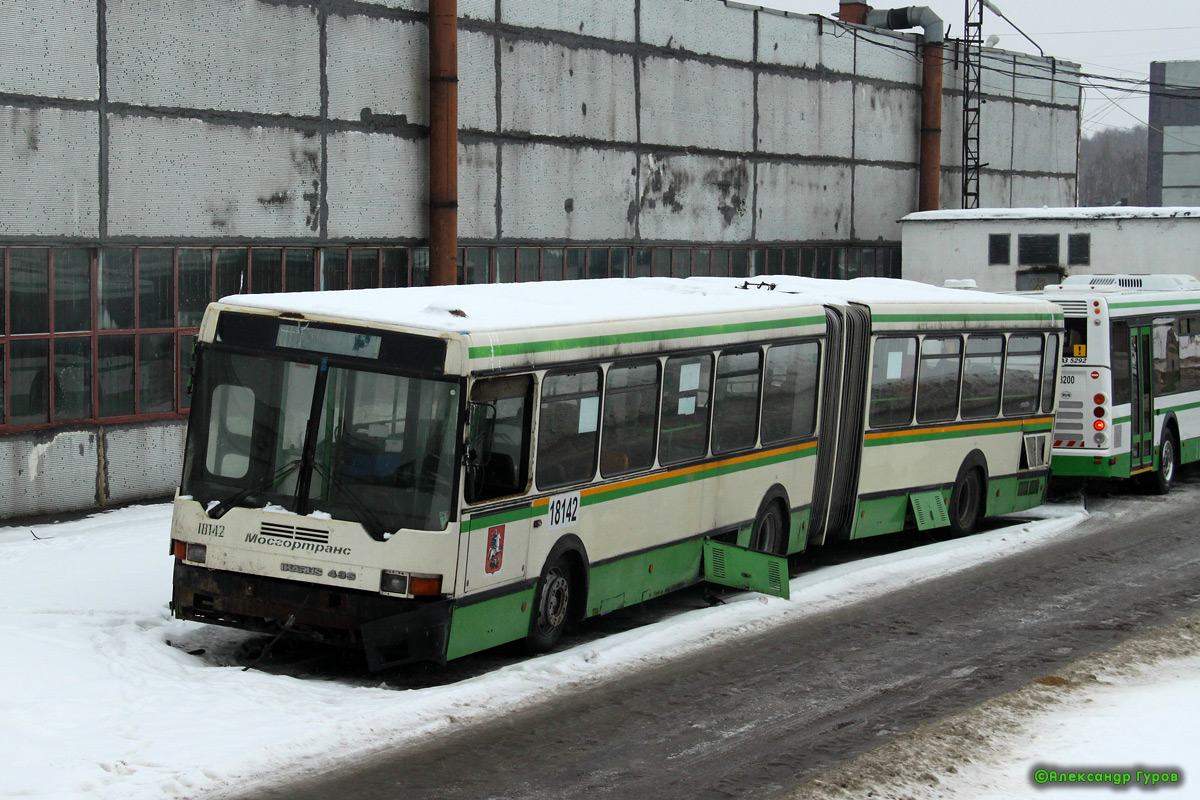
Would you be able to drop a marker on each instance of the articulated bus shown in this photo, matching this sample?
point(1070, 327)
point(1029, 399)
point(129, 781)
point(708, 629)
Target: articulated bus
point(1130, 401)
point(428, 472)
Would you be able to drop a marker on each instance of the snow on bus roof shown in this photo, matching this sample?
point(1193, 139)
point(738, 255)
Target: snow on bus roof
point(509, 306)
point(1082, 213)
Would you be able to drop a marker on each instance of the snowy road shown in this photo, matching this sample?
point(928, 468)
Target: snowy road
point(106, 696)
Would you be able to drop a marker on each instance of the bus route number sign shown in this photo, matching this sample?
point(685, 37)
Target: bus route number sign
point(563, 510)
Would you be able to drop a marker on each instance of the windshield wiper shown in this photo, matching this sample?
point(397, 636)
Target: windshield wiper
point(362, 511)
point(218, 511)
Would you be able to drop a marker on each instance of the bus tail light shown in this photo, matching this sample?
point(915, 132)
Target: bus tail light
point(1098, 399)
point(179, 549)
point(425, 585)
point(1099, 425)
point(1099, 411)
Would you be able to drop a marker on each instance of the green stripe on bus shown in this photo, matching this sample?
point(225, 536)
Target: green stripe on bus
point(1180, 407)
point(488, 520)
point(1155, 304)
point(1120, 420)
point(966, 318)
point(668, 480)
point(523, 348)
point(920, 436)
point(1086, 466)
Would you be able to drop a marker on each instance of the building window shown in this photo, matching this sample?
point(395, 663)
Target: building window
point(1035, 249)
point(1079, 249)
point(999, 248)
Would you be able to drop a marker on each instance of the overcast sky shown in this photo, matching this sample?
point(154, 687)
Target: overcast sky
point(1105, 37)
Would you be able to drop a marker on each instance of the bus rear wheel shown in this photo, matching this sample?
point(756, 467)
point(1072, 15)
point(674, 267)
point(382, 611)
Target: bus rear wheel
point(551, 607)
point(966, 503)
point(1163, 479)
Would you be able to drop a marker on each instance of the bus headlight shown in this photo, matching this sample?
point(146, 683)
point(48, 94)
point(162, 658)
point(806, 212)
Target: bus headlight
point(197, 553)
point(393, 582)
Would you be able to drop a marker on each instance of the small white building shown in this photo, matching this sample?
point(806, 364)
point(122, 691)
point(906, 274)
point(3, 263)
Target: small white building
point(1027, 248)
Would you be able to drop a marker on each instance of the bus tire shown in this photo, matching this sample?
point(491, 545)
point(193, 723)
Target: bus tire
point(1162, 479)
point(551, 606)
point(966, 502)
point(770, 533)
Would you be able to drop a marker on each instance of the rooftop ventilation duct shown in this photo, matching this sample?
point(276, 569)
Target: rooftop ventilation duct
point(931, 94)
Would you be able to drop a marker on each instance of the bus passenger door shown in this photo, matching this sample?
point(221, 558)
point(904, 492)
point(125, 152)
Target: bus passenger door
point(1141, 439)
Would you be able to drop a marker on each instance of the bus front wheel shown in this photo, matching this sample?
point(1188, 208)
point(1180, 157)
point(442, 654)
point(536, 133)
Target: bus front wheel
point(966, 503)
point(1168, 464)
point(551, 607)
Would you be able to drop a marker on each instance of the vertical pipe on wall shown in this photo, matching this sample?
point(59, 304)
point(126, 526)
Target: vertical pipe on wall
point(853, 12)
point(443, 142)
point(929, 186)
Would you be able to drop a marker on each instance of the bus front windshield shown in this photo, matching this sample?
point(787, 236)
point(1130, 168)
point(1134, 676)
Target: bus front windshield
point(381, 451)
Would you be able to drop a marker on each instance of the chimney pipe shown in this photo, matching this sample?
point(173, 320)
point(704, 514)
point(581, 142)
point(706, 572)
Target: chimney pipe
point(853, 12)
point(443, 142)
point(929, 190)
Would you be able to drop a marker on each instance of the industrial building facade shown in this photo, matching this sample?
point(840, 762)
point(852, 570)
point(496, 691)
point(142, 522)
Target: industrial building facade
point(159, 154)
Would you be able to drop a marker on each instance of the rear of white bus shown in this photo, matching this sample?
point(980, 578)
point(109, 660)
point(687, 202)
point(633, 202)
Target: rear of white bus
point(1088, 429)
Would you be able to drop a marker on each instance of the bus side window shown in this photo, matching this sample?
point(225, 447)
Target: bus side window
point(1166, 356)
point(500, 421)
point(981, 376)
point(1049, 387)
point(1022, 371)
point(686, 385)
point(1189, 354)
point(937, 383)
point(569, 422)
point(789, 408)
point(1119, 348)
point(630, 412)
point(893, 379)
point(735, 401)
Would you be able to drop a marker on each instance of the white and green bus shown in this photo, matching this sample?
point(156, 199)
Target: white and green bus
point(429, 472)
point(1130, 401)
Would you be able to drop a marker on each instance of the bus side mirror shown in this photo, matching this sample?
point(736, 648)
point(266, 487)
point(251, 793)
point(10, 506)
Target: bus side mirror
point(481, 418)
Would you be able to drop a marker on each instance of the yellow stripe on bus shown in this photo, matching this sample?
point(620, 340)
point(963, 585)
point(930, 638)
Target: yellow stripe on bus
point(615, 487)
point(953, 428)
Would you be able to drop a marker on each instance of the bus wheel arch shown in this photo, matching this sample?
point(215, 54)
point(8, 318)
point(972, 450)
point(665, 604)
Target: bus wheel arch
point(772, 524)
point(1162, 479)
point(559, 598)
point(968, 498)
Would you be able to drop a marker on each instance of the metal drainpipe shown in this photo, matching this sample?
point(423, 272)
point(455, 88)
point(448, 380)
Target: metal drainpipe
point(932, 56)
point(443, 142)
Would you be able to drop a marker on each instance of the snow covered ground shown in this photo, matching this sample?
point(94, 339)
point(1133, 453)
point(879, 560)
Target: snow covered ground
point(97, 703)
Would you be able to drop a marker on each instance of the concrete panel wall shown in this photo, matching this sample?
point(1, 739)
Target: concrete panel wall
point(1037, 192)
point(143, 461)
point(708, 28)
point(612, 19)
point(378, 186)
point(477, 166)
point(176, 178)
point(50, 53)
point(552, 192)
point(681, 194)
point(476, 81)
point(799, 202)
point(47, 472)
point(471, 9)
point(804, 42)
point(49, 179)
point(221, 54)
point(887, 122)
point(1044, 140)
point(894, 57)
point(809, 116)
point(378, 66)
point(691, 103)
point(891, 193)
point(552, 90)
point(996, 148)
